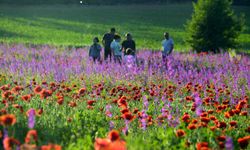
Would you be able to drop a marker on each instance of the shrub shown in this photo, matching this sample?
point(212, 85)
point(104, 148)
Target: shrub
point(213, 26)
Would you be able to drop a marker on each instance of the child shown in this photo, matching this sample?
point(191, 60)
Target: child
point(116, 48)
point(130, 59)
point(95, 50)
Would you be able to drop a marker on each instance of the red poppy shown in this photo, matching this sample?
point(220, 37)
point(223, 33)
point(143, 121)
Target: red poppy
point(91, 102)
point(113, 142)
point(221, 138)
point(17, 89)
point(194, 121)
point(122, 103)
point(9, 143)
point(185, 118)
point(243, 142)
point(37, 89)
point(82, 91)
point(202, 146)
point(101, 144)
point(180, 133)
point(117, 145)
point(39, 112)
point(45, 93)
point(8, 120)
point(60, 101)
point(236, 111)
point(205, 119)
point(204, 114)
point(31, 137)
point(72, 104)
point(221, 145)
point(221, 125)
point(51, 147)
point(243, 113)
point(210, 111)
point(125, 110)
point(213, 118)
point(113, 135)
point(6, 94)
point(189, 98)
point(233, 123)
point(135, 110)
point(213, 128)
point(90, 107)
point(26, 97)
point(5, 87)
point(227, 115)
point(3, 112)
point(52, 84)
point(191, 126)
point(128, 116)
point(67, 89)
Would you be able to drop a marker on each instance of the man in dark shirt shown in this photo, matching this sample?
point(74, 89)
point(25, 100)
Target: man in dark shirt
point(107, 40)
point(129, 43)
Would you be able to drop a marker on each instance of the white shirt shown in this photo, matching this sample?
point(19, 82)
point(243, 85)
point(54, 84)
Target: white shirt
point(116, 47)
point(167, 45)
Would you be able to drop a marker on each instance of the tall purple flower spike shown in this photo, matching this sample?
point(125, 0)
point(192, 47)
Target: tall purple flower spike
point(229, 143)
point(31, 118)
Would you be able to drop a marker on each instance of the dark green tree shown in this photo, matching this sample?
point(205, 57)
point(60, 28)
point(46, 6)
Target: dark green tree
point(214, 26)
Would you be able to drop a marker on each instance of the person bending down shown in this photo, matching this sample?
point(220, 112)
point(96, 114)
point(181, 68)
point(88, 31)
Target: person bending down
point(129, 43)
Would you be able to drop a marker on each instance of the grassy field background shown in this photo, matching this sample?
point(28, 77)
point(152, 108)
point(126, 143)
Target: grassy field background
point(75, 25)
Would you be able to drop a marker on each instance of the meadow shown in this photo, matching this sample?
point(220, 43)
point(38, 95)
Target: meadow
point(76, 25)
point(191, 101)
point(53, 97)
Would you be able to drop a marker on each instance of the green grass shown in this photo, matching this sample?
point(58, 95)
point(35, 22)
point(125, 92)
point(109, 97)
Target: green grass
point(77, 25)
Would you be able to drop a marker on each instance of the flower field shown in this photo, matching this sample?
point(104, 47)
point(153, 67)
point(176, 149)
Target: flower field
point(56, 98)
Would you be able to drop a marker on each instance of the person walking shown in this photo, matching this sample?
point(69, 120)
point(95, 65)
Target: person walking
point(107, 40)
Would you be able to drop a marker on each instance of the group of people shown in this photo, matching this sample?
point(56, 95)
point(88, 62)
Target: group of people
point(114, 49)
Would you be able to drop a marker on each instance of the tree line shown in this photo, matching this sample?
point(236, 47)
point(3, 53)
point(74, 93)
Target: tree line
point(105, 2)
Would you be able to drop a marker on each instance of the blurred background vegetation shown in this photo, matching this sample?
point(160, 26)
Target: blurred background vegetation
point(106, 2)
point(69, 23)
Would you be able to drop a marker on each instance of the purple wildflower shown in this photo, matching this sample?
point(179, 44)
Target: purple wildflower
point(31, 118)
point(229, 143)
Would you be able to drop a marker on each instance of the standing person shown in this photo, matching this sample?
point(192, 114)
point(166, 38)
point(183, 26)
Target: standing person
point(129, 43)
point(95, 50)
point(168, 45)
point(107, 39)
point(116, 49)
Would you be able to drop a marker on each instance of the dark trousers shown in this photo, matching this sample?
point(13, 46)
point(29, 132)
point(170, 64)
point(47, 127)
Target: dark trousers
point(96, 58)
point(118, 59)
point(107, 53)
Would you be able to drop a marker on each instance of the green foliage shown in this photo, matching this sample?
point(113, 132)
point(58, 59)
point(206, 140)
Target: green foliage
point(63, 25)
point(106, 2)
point(214, 26)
